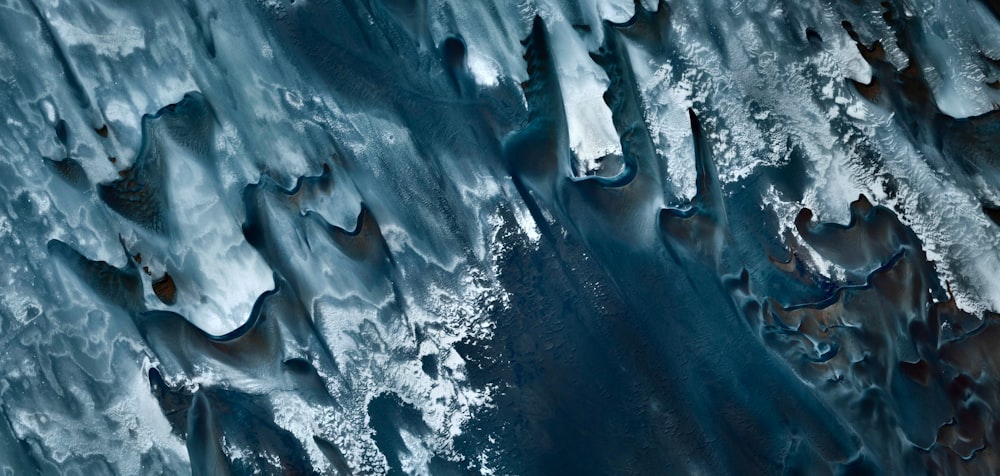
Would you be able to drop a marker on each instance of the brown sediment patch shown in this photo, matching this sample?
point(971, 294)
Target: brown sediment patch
point(870, 91)
point(914, 86)
point(103, 131)
point(165, 289)
point(70, 170)
point(875, 52)
point(788, 264)
point(365, 242)
point(138, 194)
point(920, 371)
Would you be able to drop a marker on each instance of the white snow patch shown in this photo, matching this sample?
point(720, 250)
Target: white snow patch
point(120, 41)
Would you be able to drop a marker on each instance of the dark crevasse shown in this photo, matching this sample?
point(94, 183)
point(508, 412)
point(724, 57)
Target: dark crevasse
point(546, 237)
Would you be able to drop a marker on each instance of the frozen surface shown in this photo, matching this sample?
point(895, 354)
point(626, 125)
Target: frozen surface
point(512, 237)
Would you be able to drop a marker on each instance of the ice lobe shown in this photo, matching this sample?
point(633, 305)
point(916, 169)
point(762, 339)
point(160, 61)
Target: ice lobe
point(173, 192)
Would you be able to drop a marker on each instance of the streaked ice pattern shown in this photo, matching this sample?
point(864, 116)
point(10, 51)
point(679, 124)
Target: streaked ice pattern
point(509, 237)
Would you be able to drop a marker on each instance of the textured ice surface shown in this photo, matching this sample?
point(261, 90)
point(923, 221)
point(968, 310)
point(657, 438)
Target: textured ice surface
point(512, 237)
